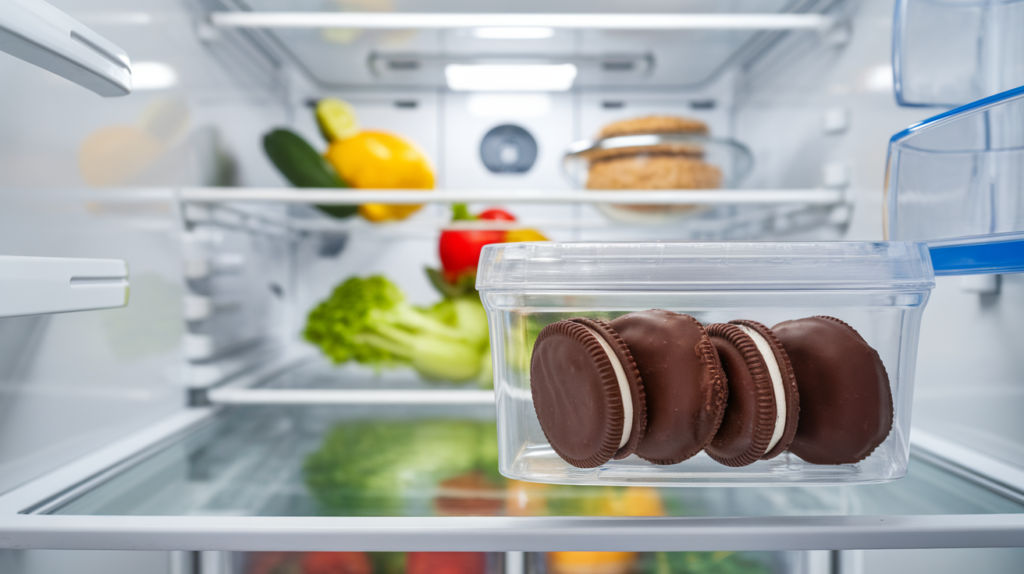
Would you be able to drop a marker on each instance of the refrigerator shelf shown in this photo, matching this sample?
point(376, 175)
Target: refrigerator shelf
point(305, 379)
point(559, 196)
point(43, 285)
point(412, 45)
point(350, 397)
point(447, 20)
point(233, 478)
point(726, 214)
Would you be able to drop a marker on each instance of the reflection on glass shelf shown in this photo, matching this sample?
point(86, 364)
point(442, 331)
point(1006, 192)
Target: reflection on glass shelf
point(531, 563)
point(442, 461)
point(368, 563)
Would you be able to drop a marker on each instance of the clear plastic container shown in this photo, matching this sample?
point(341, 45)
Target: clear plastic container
point(880, 289)
point(950, 52)
point(670, 162)
point(956, 182)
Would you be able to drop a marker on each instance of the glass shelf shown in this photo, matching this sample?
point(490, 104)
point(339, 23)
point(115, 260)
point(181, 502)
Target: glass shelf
point(415, 40)
point(732, 214)
point(314, 381)
point(250, 462)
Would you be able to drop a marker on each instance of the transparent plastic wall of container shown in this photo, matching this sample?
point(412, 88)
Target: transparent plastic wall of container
point(956, 182)
point(950, 52)
point(878, 289)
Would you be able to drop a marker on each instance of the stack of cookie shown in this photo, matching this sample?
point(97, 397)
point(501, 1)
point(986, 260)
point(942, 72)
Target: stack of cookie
point(647, 167)
point(660, 385)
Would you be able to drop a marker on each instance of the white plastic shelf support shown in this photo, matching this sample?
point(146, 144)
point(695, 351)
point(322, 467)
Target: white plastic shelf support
point(414, 21)
point(46, 37)
point(43, 285)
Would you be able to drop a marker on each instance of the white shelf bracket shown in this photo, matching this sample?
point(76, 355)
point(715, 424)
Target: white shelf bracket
point(40, 34)
point(43, 285)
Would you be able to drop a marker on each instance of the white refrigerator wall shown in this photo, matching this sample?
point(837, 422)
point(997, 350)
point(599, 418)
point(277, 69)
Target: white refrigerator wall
point(72, 383)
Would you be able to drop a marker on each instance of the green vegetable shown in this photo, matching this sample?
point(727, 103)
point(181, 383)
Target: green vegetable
point(301, 165)
point(468, 316)
point(465, 285)
point(380, 468)
point(367, 320)
point(702, 563)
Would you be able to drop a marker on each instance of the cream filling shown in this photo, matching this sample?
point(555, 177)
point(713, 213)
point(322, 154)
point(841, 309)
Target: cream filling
point(620, 376)
point(776, 375)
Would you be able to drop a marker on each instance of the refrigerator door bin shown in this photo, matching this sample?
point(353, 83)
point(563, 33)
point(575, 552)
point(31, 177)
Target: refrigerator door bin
point(955, 181)
point(241, 479)
point(948, 53)
point(43, 35)
point(41, 285)
point(878, 288)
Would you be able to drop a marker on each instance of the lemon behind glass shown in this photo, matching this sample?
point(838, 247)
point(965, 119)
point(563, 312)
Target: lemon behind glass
point(379, 160)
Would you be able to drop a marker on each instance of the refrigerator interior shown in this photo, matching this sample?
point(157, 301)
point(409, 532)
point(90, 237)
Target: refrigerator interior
point(220, 289)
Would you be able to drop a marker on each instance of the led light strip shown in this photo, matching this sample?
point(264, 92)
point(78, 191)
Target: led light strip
point(392, 20)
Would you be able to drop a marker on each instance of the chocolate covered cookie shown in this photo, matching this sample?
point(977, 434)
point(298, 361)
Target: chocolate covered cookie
point(846, 408)
point(587, 392)
point(684, 384)
point(748, 430)
point(784, 387)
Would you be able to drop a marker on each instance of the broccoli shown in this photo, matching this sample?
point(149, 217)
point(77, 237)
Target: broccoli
point(367, 320)
point(377, 468)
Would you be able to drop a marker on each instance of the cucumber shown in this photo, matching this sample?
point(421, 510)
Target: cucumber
point(298, 162)
point(301, 165)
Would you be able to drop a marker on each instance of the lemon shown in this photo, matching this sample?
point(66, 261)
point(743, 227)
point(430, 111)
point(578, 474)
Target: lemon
point(633, 501)
point(519, 235)
point(337, 119)
point(379, 160)
point(591, 562)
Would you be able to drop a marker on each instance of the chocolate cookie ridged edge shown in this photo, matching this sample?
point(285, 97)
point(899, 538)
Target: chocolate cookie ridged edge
point(708, 356)
point(765, 397)
point(612, 396)
point(888, 384)
point(792, 392)
point(636, 386)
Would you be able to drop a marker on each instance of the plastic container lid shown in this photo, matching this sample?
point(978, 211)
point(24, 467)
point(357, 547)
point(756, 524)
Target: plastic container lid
point(956, 182)
point(687, 266)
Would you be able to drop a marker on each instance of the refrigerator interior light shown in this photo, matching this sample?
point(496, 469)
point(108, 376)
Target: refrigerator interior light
point(510, 77)
point(513, 32)
point(509, 105)
point(878, 79)
point(153, 76)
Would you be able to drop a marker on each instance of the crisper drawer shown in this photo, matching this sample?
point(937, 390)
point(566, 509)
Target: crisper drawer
point(418, 477)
